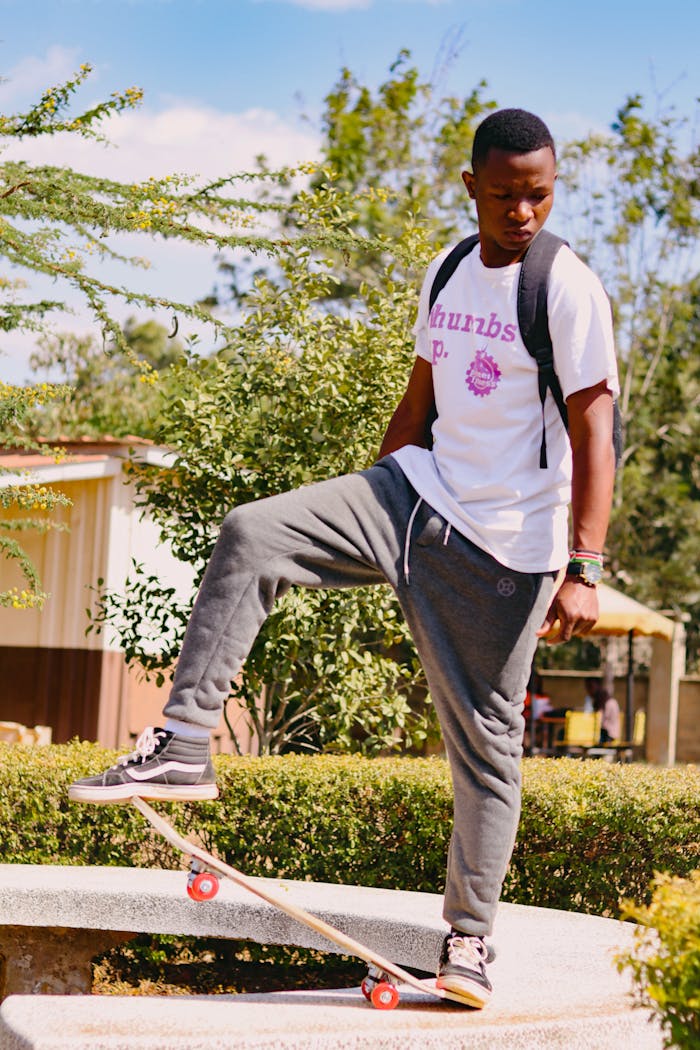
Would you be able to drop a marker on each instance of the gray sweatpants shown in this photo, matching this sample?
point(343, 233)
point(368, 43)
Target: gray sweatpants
point(473, 622)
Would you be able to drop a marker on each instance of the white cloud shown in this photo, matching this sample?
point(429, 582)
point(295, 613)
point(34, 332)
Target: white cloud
point(184, 137)
point(28, 79)
point(566, 126)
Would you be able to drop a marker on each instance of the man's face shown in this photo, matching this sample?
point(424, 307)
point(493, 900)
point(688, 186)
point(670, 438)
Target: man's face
point(513, 193)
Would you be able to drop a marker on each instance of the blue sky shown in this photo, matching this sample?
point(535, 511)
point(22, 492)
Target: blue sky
point(564, 60)
point(225, 80)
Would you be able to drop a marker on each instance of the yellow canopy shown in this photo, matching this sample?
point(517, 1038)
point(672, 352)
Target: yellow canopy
point(620, 614)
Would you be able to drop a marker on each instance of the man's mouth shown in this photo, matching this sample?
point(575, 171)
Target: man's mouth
point(519, 234)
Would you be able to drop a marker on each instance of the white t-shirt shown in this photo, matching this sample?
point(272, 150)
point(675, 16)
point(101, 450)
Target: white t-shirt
point(482, 474)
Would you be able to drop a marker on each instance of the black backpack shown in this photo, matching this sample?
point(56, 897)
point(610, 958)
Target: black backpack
point(532, 321)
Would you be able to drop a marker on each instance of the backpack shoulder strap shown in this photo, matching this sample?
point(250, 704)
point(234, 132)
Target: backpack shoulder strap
point(449, 264)
point(446, 269)
point(533, 322)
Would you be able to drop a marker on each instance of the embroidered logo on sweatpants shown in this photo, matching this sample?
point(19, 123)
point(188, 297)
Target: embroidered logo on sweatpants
point(506, 587)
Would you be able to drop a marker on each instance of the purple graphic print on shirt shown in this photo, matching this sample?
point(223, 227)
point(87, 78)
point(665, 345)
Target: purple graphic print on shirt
point(483, 374)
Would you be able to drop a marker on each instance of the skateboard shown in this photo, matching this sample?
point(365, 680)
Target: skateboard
point(380, 985)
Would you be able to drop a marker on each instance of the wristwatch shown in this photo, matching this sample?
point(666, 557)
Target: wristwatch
point(588, 572)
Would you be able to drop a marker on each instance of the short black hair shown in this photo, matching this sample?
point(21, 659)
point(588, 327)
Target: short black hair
point(514, 130)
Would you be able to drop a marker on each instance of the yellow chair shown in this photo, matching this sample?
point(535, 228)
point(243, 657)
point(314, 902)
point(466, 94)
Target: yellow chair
point(627, 750)
point(621, 749)
point(581, 731)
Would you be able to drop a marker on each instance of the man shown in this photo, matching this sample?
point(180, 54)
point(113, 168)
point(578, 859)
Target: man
point(470, 534)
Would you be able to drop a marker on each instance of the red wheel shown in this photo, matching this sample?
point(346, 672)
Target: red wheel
point(384, 996)
point(203, 887)
point(366, 988)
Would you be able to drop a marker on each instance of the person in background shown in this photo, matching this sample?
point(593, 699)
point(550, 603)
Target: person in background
point(541, 703)
point(606, 703)
point(592, 686)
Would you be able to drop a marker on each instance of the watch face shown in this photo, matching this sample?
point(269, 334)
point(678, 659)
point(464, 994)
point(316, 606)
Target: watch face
point(591, 572)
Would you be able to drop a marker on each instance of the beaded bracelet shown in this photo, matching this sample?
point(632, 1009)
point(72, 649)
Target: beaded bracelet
point(589, 557)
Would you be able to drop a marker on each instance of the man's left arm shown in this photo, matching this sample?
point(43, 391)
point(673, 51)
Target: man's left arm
point(575, 604)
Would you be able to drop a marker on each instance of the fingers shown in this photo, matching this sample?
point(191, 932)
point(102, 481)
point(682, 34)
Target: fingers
point(550, 619)
point(573, 612)
point(564, 628)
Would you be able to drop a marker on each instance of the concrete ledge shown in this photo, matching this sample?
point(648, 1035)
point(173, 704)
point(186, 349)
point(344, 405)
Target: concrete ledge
point(555, 981)
point(304, 1021)
point(407, 927)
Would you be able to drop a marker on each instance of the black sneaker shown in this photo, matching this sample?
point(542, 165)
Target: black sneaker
point(163, 766)
point(462, 968)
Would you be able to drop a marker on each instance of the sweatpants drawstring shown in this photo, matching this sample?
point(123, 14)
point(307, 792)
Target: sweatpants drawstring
point(448, 530)
point(407, 543)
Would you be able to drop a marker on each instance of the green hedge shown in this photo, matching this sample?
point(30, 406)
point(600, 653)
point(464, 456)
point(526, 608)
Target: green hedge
point(591, 833)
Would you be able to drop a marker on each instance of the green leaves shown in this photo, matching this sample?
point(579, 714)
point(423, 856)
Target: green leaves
point(665, 961)
point(635, 212)
point(301, 392)
point(50, 115)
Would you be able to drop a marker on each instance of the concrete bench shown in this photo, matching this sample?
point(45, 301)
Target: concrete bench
point(55, 919)
point(554, 976)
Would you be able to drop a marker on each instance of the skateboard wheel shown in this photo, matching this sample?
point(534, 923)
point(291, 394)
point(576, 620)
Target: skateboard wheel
point(366, 988)
point(203, 887)
point(384, 996)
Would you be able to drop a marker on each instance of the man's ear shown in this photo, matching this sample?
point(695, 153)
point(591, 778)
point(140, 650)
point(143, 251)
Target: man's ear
point(468, 180)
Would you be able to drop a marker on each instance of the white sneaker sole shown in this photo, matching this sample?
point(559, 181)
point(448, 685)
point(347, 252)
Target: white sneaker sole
point(473, 993)
point(157, 792)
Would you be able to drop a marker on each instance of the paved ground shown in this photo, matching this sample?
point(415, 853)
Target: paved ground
point(555, 986)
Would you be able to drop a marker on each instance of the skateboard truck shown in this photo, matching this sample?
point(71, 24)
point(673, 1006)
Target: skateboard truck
point(379, 988)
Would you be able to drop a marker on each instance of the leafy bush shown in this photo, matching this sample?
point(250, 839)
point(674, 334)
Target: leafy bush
point(665, 961)
point(591, 834)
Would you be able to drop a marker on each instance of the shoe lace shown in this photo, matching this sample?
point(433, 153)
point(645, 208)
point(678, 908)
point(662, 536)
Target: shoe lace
point(467, 951)
point(145, 746)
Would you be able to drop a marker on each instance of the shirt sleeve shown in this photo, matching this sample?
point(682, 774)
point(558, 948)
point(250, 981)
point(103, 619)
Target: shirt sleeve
point(580, 324)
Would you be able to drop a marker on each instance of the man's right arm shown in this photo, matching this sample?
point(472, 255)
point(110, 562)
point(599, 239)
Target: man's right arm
point(409, 421)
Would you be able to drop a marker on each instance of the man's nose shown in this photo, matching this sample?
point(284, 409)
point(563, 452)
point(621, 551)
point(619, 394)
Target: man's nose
point(522, 210)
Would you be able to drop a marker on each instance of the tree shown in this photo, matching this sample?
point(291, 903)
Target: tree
point(398, 152)
point(25, 507)
point(300, 393)
point(58, 221)
point(656, 531)
point(635, 204)
point(408, 139)
point(106, 391)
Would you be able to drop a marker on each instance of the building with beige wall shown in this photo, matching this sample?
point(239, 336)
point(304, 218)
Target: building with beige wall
point(53, 673)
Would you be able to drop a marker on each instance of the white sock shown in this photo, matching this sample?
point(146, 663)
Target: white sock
point(188, 729)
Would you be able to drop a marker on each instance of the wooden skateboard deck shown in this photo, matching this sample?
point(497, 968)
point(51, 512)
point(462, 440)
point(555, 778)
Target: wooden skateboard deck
point(382, 993)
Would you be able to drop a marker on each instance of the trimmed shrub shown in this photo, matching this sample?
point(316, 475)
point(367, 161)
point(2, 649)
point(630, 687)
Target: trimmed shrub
point(591, 833)
point(665, 960)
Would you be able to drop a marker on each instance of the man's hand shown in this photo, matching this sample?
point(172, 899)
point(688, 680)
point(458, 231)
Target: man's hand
point(575, 608)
